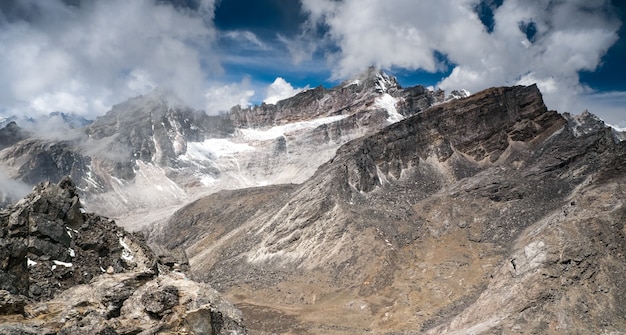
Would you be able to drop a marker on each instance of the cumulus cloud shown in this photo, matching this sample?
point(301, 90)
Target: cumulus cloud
point(280, 89)
point(547, 42)
point(82, 59)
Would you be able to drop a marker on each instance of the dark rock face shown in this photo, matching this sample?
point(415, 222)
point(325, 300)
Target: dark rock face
point(63, 271)
point(484, 214)
point(159, 302)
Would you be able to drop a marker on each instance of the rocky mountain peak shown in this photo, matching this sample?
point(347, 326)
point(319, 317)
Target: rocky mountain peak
point(457, 94)
point(584, 123)
point(153, 129)
point(374, 78)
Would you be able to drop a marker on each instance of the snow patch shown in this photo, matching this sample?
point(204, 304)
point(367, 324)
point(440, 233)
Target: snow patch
point(250, 134)
point(383, 83)
point(213, 148)
point(617, 128)
point(71, 252)
point(67, 265)
point(89, 178)
point(30, 262)
point(127, 253)
point(458, 94)
point(388, 103)
point(69, 230)
point(354, 82)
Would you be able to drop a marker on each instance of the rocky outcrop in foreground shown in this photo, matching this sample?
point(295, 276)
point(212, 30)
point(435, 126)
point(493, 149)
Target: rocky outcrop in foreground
point(63, 271)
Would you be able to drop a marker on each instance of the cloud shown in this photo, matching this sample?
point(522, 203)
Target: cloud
point(83, 59)
point(246, 37)
point(547, 42)
point(12, 190)
point(221, 97)
point(280, 90)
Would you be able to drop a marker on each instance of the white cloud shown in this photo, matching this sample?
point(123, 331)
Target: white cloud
point(12, 189)
point(570, 36)
point(221, 97)
point(246, 37)
point(84, 59)
point(280, 89)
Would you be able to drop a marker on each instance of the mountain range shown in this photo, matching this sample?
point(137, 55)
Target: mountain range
point(364, 208)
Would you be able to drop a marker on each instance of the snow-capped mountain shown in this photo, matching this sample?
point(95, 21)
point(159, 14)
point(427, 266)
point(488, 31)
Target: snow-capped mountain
point(151, 152)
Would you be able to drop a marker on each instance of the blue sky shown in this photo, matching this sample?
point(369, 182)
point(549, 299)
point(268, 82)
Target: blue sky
point(82, 56)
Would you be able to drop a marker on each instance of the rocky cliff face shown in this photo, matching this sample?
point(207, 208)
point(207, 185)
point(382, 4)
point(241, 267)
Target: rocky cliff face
point(489, 214)
point(64, 271)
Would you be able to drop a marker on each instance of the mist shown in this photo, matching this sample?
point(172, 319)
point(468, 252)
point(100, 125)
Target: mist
point(12, 190)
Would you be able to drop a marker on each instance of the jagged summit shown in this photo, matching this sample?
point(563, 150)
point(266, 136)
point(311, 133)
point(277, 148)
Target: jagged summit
point(376, 78)
point(457, 94)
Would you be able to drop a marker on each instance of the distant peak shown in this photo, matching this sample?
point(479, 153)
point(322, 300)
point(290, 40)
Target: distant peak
point(376, 78)
point(584, 123)
point(458, 94)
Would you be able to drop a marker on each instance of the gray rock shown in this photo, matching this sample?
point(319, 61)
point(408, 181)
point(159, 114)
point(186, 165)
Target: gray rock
point(161, 301)
point(11, 304)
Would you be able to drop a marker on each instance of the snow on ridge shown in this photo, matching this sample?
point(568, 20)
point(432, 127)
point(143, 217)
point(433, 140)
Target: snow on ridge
point(388, 103)
point(457, 94)
point(383, 83)
point(616, 128)
point(213, 148)
point(251, 134)
point(354, 82)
